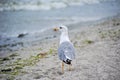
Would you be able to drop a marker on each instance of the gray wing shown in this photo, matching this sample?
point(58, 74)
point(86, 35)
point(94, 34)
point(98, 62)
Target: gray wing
point(66, 51)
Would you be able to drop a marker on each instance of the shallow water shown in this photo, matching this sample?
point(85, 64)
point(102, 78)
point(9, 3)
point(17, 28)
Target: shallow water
point(15, 22)
point(38, 23)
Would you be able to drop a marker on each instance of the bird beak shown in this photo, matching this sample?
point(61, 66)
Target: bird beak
point(56, 29)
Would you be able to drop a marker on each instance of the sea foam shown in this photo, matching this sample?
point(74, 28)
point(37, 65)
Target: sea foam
point(44, 4)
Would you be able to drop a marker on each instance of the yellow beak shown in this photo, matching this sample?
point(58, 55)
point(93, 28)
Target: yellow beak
point(56, 29)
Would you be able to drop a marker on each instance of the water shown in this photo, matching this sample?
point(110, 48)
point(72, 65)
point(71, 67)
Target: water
point(43, 4)
point(37, 17)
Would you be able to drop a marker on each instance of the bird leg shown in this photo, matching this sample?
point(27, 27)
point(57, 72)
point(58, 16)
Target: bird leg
point(70, 67)
point(62, 67)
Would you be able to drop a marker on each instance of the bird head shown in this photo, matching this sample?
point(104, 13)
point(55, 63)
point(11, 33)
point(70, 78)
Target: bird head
point(61, 28)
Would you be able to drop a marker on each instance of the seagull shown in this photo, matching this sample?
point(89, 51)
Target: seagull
point(66, 51)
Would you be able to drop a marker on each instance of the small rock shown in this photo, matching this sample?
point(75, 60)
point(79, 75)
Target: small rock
point(54, 36)
point(22, 35)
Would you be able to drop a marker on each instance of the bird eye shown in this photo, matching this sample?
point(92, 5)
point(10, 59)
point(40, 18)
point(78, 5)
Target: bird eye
point(60, 27)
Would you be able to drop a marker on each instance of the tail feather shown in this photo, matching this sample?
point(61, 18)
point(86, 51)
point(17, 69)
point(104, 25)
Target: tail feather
point(68, 61)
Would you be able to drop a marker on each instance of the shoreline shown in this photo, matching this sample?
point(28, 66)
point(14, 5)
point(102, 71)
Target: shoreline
point(23, 39)
point(97, 49)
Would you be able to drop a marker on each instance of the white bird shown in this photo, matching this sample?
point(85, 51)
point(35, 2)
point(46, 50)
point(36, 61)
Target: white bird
point(66, 50)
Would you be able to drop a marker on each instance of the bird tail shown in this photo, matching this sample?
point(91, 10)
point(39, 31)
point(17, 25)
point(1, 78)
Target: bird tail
point(68, 61)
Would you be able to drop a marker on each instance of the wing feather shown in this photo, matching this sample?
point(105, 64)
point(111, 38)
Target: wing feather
point(66, 51)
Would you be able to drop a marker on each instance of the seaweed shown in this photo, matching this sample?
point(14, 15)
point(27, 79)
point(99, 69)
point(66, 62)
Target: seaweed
point(88, 41)
point(13, 55)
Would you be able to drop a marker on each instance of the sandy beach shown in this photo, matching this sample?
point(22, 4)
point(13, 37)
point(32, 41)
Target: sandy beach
point(97, 49)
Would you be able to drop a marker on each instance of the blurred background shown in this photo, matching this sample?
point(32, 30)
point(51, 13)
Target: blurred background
point(30, 20)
